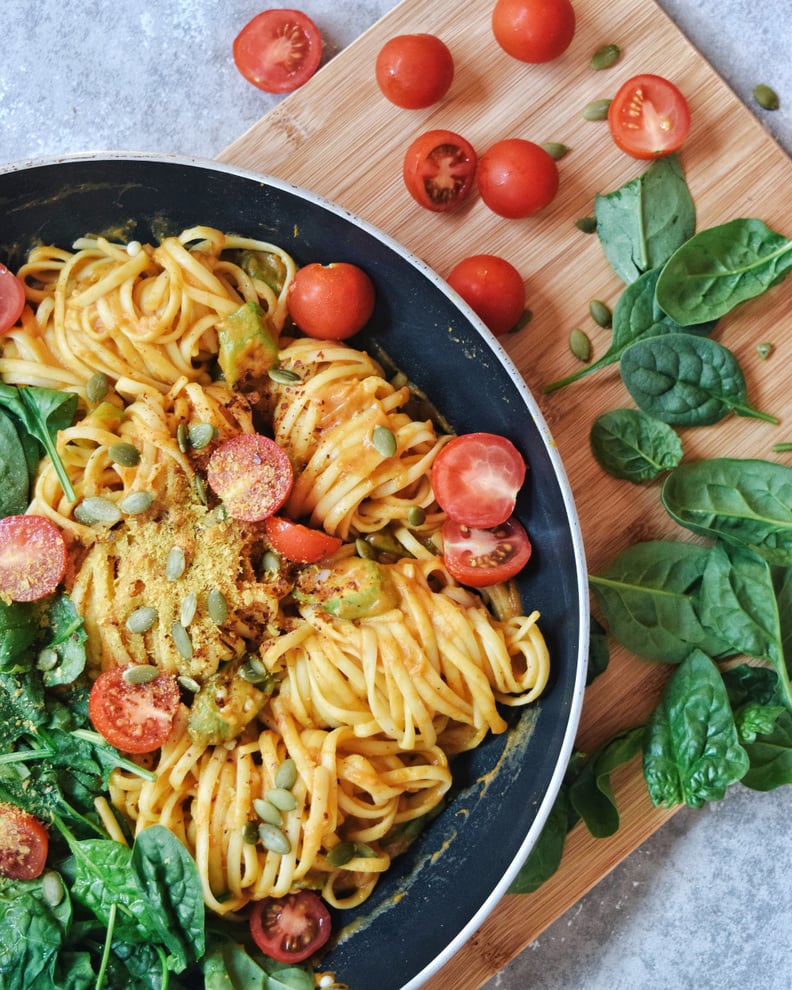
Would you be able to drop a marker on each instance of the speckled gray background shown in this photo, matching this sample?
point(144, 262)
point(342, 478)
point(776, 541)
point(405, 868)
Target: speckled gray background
point(706, 903)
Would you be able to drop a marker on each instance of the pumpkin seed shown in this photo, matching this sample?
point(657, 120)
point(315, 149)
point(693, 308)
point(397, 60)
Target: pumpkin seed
point(136, 502)
point(250, 833)
point(200, 435)
point(267, 812)
point(182, 440)
point(341, 854)
point(764, 350)
point(416, 516)
point(175, 564)
point(605, 57)
point(766, 97)
point(181, 640)
point(282, 799)
point(97, 511)
point(189, 683)
point(384, 441)
point(283, 376)
point(270, 562)
point(97, 387)
point(364, 549)
point(274, 839)
point(596, 110)
point(217, 606)
point(287, 774)
point(142, 619)
point(48, 659)
point(587, 224)
point(141, 673)
point(200, 493)
point(600, 313)
point(125, 454)
point(188, 609)
point(580, 345)
point(253, 674)
point(555, 149)
point(52, 888)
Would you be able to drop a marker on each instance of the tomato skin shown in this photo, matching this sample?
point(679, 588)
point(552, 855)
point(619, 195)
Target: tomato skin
point(439, 170)
point(331, 302)
point(533, 30)
point(290, 928)
point(476, 477)
point(32, 557)
point(12, 299)
point(481, 557)
point(649, 117)
point(135, 718)
point(298, 543)
point(493, 288)
point(278, 50)
point(252, 475)
point(414, 71)
point(517, 178)
point(24, 844)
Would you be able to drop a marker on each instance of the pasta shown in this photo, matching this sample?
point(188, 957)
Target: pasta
point(368, 705)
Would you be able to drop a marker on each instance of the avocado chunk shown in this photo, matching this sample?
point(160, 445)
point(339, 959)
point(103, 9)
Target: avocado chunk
point(248, 345)
point(223, 707)
point(353, 588)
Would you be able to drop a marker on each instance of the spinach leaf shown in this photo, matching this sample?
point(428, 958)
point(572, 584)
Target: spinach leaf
point(66, 641)
point(632, 445)
point(745, 502)
point(649, 595)
point(545, 856)
point(33, 931)
point(228, 966)
point(770, 756)
point(591, 794)
point(641, 224)
point(18, 629)
point(686, 380)
point(43, 412)
point(691, 752)
point(720, 267)
point(598, 652)
point(14, 480)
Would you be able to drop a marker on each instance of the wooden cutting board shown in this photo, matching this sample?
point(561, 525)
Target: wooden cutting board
point(338, 137)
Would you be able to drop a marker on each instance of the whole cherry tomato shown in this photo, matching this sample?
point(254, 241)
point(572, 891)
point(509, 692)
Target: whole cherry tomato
point(533, 30)
point(331, 302)
point(493, 288)
point(414, 70)
point(516, 178)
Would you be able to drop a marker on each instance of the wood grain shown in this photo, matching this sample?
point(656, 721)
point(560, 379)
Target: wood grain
point(338, 137)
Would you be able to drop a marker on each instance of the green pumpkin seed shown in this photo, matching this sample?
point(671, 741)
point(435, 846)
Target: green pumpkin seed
point(267, 812)
point(48, 659)
point(188, 609)
point(287, 774)
point(596, 110)
point(580, 345)
point(97, 387)
point(364, 549)
point(52, 888)
point(142, 619)
point(182, 439)
point(605, 57)
point(274, 839)
point(97, 511)
point(250, 833)
point(217, 606)
point(200, 435)
point(270, 563)
point(416, 516)
point(587, 224)
point(341, 854)
point(253, 674)
point(600, 313)
point(175, 563)
point(283, 376)
point(766, 97)
point(142, 673)
point(384, 441)
point(189, 683)
point(556, 149)
point(136, 502)
point(764, 350)
point(181, 640)
point(125, 454)
point(282, 799)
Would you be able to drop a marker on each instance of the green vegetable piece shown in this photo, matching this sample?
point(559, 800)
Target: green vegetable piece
point(630, 444)
point(642, 223)
point(545, 855)
point(686, 380)
point(353, 588)
point(745, 502)
point(692, 753)
point(770, 757)
point(649, 597)
point(721, 267)
point(14, 478)
point(223, 707)
point(248, 345)
point(591, 794)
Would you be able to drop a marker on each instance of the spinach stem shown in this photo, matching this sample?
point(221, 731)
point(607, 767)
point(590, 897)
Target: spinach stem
point(100, 978)
point(121, 761)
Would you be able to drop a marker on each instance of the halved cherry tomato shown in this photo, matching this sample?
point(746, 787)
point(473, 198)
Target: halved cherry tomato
point(299, 543)
point(24, 844)
point(533, 30)
point(414, 70)
point(516, 178)
point(32, 557)
point(132, 716)
point(278, 50)
point(252, 475)
point(12, 299)
point(439, 169)
point(649, 117)
point(481, 557)
point(290, 928)
point(331, 302)
point(493, 288)
point(476, 477)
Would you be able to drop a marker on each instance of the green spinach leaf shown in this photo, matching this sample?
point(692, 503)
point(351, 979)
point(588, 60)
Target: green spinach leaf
point(641, 224)
point(686, 380)
point(745, 502)
point(591, 794)
point(770, 757)
point(14, 480)
point(599, 651)
point(545, 856)
point(692, 753)
point(720, 267)
point(33, 931)
point(632, 445)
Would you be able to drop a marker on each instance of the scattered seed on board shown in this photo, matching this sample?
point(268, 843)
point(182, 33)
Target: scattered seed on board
point(596, 110)
point(97, 511)
point(142, 619)
point(579, 344)
point(556, 149)
point(587, 224)
point(600, 313)
point(384, 441)
point(766, 97)
point(142, 673)
point(175, 564)
point(764, 349)
point(136, 502)
point(605, 57)
point(274, 839)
